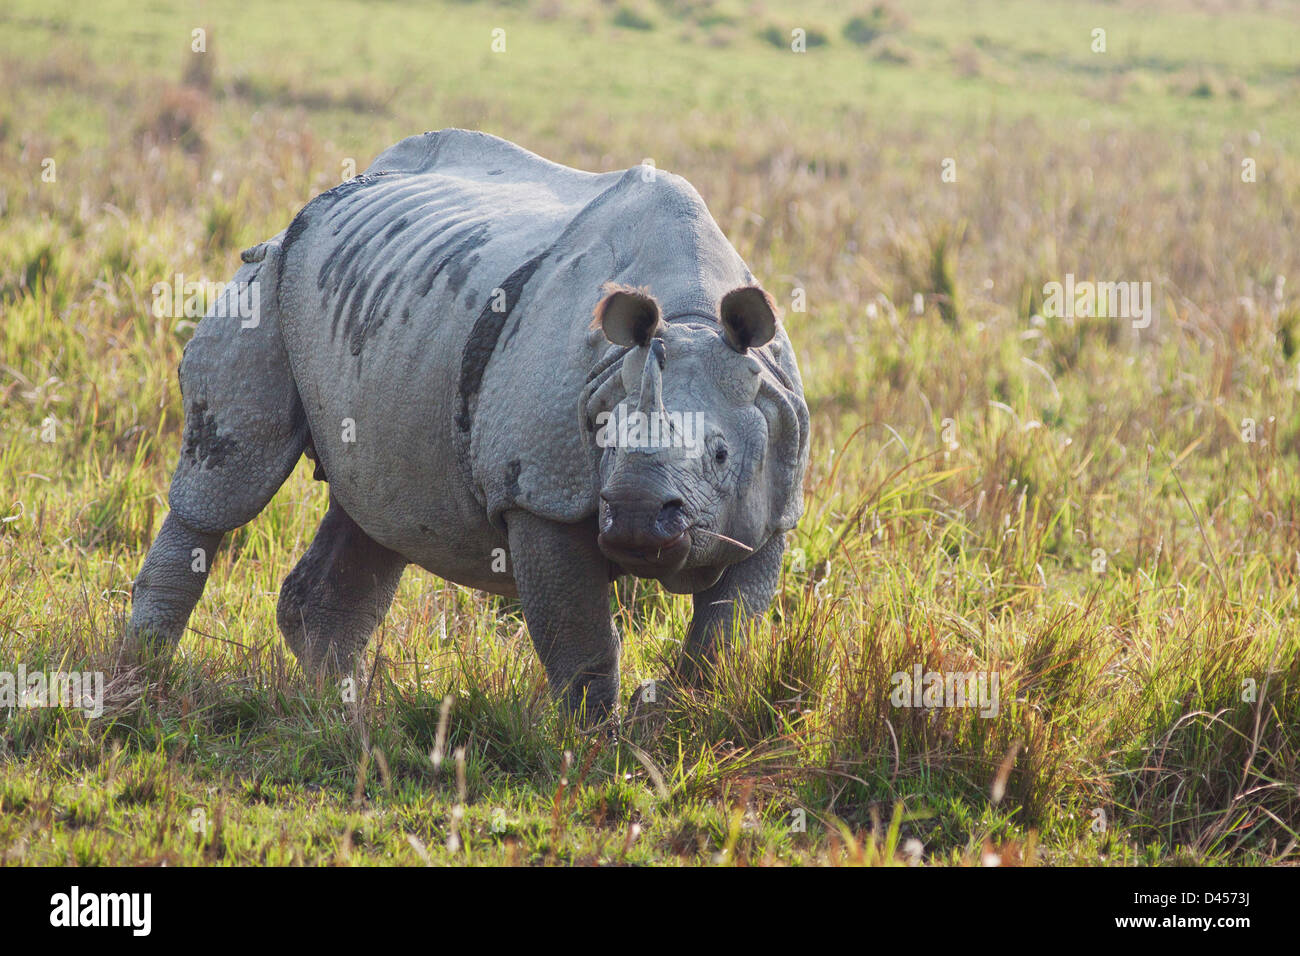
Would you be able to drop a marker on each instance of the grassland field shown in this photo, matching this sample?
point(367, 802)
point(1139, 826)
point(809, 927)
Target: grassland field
point(1104, 516)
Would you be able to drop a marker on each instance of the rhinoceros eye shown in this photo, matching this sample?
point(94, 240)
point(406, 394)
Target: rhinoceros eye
point(720, 456)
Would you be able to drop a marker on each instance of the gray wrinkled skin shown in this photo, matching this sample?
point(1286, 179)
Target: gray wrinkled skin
point(426, 334)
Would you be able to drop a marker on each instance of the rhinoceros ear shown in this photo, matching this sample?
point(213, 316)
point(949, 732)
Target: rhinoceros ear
point(627, 316)
point(748, 318)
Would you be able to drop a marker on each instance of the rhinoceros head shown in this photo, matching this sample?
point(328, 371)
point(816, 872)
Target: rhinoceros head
point(703, 437)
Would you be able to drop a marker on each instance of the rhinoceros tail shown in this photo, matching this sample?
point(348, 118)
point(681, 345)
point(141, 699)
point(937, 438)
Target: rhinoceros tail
point(258, 252)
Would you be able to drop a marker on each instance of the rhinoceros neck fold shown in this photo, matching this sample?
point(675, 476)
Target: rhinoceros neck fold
point(691, 314)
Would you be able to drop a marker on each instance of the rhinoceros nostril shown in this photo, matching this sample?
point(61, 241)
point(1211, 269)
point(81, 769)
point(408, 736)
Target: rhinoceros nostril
point(670, 516)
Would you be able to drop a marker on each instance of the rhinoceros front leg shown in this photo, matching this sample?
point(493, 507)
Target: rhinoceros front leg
point(563, 584)
point(335, 597)
point(744, 590)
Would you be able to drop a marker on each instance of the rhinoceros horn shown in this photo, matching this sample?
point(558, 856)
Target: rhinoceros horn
point(651, 400)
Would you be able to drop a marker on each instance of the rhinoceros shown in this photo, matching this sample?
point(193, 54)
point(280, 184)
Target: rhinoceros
point(522, 377)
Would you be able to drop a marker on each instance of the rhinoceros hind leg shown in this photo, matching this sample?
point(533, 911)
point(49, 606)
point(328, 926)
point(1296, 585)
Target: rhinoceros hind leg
point(335, 597)
point(245, 428)
point(166, 590)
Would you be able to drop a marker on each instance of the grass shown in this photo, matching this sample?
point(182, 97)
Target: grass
point(1073, 505)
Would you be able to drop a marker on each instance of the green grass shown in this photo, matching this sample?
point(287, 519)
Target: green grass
point(1067, 503)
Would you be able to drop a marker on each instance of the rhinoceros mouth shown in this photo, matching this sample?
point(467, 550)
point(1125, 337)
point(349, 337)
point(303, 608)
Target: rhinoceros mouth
point(652, 560)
